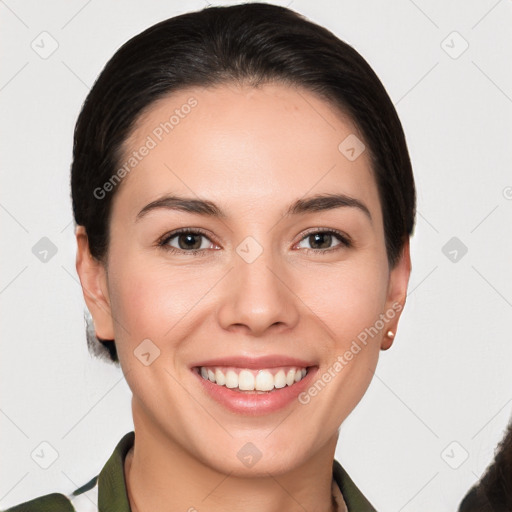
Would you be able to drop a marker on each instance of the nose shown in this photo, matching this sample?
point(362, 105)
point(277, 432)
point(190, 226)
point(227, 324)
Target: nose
point(258, 294)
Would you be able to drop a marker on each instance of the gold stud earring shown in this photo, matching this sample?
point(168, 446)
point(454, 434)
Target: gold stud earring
point(390, 334)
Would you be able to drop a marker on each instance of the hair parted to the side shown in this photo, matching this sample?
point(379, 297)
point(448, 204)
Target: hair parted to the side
point(251, 44)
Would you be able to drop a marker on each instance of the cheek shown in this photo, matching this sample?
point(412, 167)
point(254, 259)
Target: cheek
point(153, 303)
point(349, 302)
point(155, 299)
point(348, 298)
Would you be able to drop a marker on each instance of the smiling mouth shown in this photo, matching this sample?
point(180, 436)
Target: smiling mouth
point(252, 381)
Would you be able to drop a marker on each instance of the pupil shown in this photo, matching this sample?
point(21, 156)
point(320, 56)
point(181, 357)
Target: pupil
point(196, 245)
point(327, 239)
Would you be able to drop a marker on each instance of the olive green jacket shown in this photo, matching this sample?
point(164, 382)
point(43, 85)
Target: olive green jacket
point(106, 492)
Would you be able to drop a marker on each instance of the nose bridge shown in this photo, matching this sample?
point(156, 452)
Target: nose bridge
point(254, 264)
point(257, 296)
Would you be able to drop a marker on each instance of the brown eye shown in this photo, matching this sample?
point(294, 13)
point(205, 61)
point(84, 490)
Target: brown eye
point(186, 241)
point(189, 240)
point(322, 241)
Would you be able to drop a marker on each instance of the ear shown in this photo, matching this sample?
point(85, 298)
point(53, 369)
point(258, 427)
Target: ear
point(93, 278)
point(397, 292)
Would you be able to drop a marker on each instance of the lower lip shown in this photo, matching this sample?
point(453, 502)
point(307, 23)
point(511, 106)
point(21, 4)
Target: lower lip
point(254, 404)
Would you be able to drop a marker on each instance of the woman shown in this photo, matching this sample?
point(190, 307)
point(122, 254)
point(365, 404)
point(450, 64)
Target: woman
point(243, 199)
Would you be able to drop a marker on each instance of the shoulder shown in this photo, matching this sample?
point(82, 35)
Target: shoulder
point(113, 490)
point(83, 499)
point(89, 498)
point(54, 502)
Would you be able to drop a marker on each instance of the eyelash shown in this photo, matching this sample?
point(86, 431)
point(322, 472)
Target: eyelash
point(346, 242)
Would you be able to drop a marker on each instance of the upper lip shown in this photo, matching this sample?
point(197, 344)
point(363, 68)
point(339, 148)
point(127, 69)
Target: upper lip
point(269, 361)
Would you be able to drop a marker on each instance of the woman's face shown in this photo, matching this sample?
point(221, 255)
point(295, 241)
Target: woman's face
point(260, 282)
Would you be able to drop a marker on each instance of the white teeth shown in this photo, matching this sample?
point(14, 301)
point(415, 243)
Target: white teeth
point(251, 380)
point(280, 379)
point(220, 378)
point(264, 381)
point(290, 377)
point(245, 381)
point(231, 379)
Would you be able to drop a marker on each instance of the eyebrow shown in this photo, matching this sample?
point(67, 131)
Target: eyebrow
point(317, 203)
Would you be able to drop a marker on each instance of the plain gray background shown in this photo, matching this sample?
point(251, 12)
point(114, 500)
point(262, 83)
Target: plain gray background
point(441, 396)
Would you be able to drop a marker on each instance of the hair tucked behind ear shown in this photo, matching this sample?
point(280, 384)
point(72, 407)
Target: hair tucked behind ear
point(102, 349)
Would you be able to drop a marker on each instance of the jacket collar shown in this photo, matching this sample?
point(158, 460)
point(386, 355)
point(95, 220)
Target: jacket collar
point(112, 495)
point(354, 498)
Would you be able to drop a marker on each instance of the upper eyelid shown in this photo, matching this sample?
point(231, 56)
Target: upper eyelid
point(182, 231)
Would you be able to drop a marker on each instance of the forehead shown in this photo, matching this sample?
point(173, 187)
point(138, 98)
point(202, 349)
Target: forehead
point(240, 146)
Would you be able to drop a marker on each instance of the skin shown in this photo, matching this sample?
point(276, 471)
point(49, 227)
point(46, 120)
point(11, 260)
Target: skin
point(252, 151)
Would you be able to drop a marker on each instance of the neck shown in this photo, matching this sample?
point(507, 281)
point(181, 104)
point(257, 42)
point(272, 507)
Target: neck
point(160, 474)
